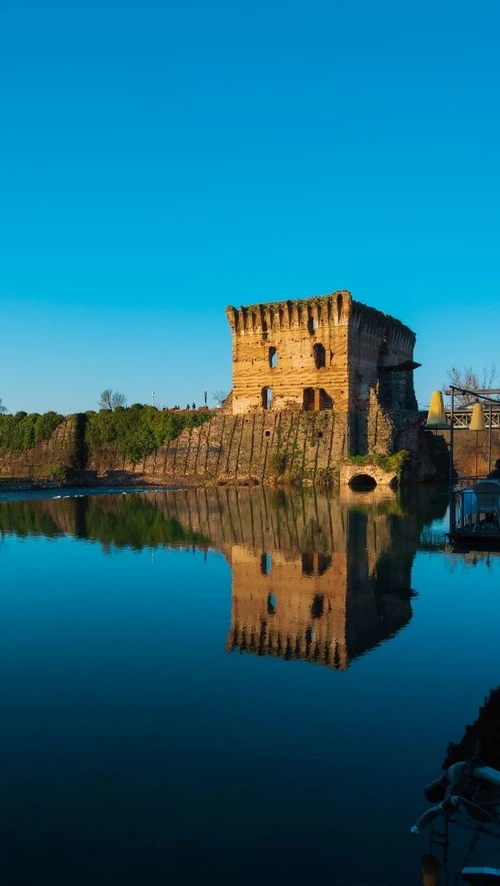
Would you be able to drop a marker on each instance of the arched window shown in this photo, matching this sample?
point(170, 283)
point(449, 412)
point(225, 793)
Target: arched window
point(265, 334)
point(267, 398)
point(319, 356)
point(311, 325)
point(273, 358)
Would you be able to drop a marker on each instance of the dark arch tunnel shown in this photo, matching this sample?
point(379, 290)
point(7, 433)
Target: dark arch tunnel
point(362, 483)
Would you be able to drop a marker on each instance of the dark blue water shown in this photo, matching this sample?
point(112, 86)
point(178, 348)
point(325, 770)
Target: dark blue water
point(227, 686)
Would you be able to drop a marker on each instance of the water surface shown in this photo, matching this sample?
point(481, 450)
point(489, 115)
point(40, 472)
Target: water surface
point(230, 685)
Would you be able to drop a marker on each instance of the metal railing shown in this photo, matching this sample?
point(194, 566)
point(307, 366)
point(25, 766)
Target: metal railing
point(462, 418)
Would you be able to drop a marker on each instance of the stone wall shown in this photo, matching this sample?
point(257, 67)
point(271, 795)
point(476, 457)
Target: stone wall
point(294, 331)
point(264, 447)
point(470, 451)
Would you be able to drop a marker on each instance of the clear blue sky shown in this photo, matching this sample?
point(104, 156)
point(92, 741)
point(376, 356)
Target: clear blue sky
point(160, 161)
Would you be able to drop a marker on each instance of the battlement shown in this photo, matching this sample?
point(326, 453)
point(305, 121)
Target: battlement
point(307, 314)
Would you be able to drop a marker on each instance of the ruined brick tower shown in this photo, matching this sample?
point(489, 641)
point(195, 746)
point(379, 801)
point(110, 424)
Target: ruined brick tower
point(325, 353)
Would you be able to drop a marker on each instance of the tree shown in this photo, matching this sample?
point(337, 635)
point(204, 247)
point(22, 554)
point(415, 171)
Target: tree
point(219, 397)
point(2, 407)
point(111, 400)
point(471, 381)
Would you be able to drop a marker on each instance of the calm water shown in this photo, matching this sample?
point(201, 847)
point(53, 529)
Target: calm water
point(226, 686)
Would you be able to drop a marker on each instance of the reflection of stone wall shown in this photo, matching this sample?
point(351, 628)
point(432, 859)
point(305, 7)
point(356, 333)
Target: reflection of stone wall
point(288, 606)
point(327, 607)
point(317, 578)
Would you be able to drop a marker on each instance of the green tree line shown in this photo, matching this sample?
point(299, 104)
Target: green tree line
point(23, 431)
point(135, 432)
point(138, 430)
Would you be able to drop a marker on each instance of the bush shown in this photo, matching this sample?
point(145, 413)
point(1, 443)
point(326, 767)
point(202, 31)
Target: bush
point(21, 431)
point(138, 431)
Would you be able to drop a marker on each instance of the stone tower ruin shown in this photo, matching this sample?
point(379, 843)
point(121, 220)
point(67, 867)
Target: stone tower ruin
point(326, 353)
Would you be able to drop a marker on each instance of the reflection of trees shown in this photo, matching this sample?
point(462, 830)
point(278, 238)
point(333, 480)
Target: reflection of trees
point(22, 521)
point(118, 521)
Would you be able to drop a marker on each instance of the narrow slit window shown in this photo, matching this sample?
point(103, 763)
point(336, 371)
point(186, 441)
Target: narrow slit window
point(267, 398)
point(319, 356)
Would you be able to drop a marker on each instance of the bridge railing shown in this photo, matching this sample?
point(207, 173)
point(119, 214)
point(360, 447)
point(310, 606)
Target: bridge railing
point(462, 418)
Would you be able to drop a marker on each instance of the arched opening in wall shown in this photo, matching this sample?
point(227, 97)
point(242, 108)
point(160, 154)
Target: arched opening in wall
point(311, 325)
point(267, 398)
point(308, 399)
point(273, 358)
point(362, 483)
point(271, 604)
point(319, 354)
point(325, 401)
point(339, 307)
point(265, 333)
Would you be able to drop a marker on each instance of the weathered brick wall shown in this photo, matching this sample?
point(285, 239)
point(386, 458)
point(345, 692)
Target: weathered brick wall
point(470, 450)
point(381, 398)
point(259, 446)
point(293, 329)
point(353, 373)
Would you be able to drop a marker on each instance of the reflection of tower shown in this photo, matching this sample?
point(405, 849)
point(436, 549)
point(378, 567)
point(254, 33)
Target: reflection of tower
point(327, 607)
point(284, 604)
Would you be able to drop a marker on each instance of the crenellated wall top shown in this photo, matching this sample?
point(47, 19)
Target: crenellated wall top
point(322, 310)
point(335, 309)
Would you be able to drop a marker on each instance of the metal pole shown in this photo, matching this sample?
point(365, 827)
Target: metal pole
point(489, 439)
point(451, 505)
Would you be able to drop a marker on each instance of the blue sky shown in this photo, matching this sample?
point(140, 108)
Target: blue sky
point(161, 161)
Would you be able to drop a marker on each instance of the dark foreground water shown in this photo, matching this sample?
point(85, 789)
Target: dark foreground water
point(222, 686)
